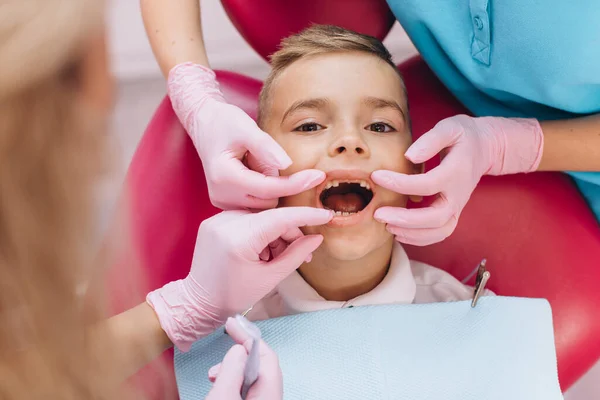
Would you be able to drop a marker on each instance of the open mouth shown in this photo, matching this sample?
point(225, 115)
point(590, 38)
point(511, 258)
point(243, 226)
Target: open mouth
point(346, 198)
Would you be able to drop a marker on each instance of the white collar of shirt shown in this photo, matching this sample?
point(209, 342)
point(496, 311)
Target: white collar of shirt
point(398, 286)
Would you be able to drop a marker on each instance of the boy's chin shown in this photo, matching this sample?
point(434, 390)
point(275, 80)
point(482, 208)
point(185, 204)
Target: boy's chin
point(348, 249)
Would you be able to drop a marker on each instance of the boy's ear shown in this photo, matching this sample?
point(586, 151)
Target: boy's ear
point(417, 169)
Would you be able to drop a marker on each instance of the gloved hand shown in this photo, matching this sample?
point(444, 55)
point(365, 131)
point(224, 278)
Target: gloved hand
point(231, 270)
point(471, 148)
point(228, 375)
point(229, 143)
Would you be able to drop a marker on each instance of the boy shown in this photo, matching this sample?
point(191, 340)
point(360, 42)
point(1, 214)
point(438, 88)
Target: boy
point(336, 102)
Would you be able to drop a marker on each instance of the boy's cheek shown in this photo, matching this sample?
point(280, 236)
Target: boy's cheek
point(305, 154)
point(389, 198)
point(395, 161)
point(390, 156)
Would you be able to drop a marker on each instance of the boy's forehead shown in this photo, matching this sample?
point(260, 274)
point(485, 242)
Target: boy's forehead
point(339, 76)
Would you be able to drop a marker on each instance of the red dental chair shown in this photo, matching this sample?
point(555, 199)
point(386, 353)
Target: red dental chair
point(536, 231)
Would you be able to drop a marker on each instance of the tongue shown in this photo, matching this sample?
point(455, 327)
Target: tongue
point(349, 202)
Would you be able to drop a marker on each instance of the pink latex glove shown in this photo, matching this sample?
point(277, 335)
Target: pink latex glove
point(241, 162)
point(471, 148)
point(231, 271)
point(228, 375)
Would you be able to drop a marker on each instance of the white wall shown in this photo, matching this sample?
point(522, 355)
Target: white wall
point(141, 86)
point(133, 59)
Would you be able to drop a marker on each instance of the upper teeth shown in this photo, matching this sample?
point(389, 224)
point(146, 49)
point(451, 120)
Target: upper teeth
point(336, 183)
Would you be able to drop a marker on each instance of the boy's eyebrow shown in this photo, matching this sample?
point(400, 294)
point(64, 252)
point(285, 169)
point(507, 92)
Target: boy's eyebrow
point(316, 103)
point(376, 102)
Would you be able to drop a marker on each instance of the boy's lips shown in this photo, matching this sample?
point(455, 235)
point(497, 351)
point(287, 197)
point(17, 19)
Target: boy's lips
point(348, 176)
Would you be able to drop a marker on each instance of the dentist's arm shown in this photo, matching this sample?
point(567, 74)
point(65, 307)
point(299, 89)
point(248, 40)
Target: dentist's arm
point(241, 162)
point(174, 29)
point(571, 144)
point(232, 269)
point(138, 340)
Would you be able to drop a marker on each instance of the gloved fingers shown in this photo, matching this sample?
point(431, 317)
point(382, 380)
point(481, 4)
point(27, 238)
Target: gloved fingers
point(258, 165)
point(213, 372)
point(265, 184)
point(226, 216)
point(269, 385)
point(278, 246)
point(217, 221)
point(443, 135)
point(433, 216)
point(292, 234)
point(289, 237)
point(265, 255)
point(294, 255)
point(269, 225)
point(256, 204)
point(275, 248)
point(230, 374)
point(264, 148)
point(228, 189)
point(239, 177)
point(428, 184)
point(242, 332)
point(273, 187)
point(423, 237)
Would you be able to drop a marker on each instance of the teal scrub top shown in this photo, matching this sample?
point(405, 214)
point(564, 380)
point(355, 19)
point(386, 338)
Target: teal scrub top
point(514, 58)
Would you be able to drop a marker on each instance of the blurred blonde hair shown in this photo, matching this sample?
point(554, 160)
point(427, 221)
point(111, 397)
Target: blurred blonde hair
point(52, 154)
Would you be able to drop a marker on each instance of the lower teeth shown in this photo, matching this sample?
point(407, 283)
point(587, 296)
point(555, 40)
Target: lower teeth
point(343, 213)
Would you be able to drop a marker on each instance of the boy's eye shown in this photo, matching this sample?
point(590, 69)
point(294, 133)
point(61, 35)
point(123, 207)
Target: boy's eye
point(308, 127)
point(380, 127)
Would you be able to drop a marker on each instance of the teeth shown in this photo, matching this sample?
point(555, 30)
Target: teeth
point(336, 183)
point(343, 214)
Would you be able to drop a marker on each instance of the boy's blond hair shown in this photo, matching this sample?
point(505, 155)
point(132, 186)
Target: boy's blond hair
point(319, 39)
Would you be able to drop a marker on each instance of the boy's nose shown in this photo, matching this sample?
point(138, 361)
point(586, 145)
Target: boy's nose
point(350, 144)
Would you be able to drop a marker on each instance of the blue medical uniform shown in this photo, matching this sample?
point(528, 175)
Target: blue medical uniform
point(514, 58)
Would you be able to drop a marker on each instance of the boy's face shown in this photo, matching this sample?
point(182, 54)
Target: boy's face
point(344, 114)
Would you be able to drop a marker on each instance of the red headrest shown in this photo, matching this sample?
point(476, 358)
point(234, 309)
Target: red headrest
point(264, 22)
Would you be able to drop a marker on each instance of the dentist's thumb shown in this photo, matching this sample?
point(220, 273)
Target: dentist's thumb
point(231, 375)
point(266, 149)
point(294, 255)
